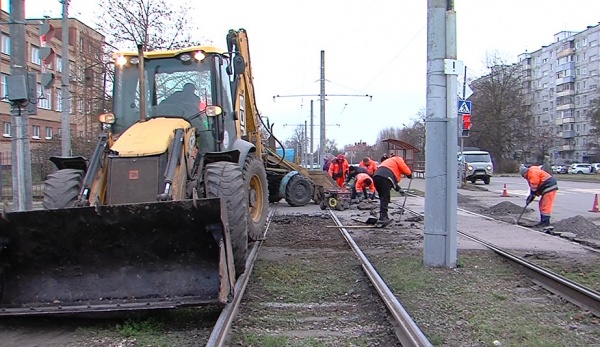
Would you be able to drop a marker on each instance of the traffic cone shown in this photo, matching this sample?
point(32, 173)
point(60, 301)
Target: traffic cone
point(504, 192)
point(595, 206)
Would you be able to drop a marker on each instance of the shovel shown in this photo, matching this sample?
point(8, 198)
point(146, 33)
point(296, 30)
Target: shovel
point(521, 215)
point(405, 196)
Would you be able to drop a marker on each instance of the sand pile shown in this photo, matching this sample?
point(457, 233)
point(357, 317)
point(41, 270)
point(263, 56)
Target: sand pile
point(578, 225)
point(503, 208)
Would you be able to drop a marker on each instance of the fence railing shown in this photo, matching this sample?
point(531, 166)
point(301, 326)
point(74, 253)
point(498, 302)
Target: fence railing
point(6, 180)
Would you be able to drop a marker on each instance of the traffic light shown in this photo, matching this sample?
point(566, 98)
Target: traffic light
point(46, 33)
point(466, 125)
point(46, 53)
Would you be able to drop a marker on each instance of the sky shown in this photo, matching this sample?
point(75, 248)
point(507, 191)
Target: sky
point(375, 48)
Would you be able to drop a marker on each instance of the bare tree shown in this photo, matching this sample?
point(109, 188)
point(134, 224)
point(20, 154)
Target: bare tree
point(500, 122)
point(412, 133)
point(155, 24)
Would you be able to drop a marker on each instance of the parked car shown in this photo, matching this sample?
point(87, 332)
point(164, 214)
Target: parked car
point(560, 169)
point(580, 168)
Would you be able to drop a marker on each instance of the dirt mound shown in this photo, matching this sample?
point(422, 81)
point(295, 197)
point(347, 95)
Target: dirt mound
point(463, 198)
point(503, 208)
point(578, 225)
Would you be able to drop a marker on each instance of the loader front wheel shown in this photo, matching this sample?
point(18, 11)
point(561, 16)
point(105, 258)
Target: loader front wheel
point(62, 189)
point(255, 182)
point(298, 191)
point(224, 180)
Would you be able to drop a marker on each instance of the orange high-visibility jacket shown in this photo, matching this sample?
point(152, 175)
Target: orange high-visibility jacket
point(370, 167)
point(397, 166)
point(360, 183)
point(540, 182)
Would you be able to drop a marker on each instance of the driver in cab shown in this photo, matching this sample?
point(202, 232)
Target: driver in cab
point(184, 100)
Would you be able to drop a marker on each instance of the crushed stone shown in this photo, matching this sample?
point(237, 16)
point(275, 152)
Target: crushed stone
point(503, 208)
point(578, 225)
point(463, 198)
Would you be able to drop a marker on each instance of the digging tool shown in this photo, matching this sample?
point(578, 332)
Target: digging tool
point(521, 215)
point(405, 196)
point(369, 221)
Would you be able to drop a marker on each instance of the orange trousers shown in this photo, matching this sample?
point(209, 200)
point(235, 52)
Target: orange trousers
point(546, 202)
point(340, 181)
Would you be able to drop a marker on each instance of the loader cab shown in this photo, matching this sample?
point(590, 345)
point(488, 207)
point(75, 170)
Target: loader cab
point(177, 84)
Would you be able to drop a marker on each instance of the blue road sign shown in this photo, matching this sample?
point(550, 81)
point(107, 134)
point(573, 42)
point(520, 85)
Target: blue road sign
point(464, 107)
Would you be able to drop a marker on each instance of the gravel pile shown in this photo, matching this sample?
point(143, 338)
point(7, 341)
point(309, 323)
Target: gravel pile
point(463, 198)
point(579, 226)
point(503, 208)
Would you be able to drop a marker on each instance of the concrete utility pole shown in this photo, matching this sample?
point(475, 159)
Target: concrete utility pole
point(20, 146)
point(65, 123)
point(441, 143)
point(323, 137)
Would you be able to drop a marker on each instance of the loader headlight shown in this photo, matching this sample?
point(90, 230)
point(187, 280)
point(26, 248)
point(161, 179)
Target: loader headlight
point(106, 118)
point(121, 60)
point(199, 55)
point(213, 111)
point(134, 60)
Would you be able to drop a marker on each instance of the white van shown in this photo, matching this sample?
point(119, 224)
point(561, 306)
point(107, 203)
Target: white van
point(478, 165)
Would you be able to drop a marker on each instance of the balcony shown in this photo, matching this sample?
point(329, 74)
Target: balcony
point(566, 66)
point(565, 52)
point(565, 93)
point(567, 120)
point(566, 79)
point(565, 107)
point(558, 121)
point(568, 134)
point(568, 148)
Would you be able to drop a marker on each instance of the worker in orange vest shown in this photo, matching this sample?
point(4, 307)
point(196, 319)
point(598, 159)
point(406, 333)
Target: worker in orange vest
point(386, 177)
point(541, 184)
point(338, 169)
point(369, 165)
point(363, 183)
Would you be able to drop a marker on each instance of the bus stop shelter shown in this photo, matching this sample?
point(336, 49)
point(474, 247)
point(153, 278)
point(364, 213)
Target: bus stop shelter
point(406, 151)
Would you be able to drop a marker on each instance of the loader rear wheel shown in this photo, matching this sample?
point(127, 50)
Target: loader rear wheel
point(298, 191)
point(62, 189)
point(224, 180)
point(255, 182)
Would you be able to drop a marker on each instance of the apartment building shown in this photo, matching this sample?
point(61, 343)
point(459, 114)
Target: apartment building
point(560, 80)
point(85, 81)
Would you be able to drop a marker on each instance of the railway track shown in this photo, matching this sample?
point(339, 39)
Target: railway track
point(402, 327)
point(571, 291)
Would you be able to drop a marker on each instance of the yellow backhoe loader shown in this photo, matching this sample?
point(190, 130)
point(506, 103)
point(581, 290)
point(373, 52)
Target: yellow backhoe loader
point(161, 214)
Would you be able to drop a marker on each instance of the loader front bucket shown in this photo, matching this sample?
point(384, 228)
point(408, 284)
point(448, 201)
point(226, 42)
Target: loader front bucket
point(115, 258)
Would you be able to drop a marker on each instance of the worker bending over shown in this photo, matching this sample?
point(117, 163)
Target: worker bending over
point(369, 165)
point(541, 184)
point(363, 184)
point(386, 177)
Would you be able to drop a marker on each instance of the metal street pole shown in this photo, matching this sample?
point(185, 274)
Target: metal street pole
point(65, 124)
point(312, 151)
point(20, 145)
point(441, 146)
point(462, 139)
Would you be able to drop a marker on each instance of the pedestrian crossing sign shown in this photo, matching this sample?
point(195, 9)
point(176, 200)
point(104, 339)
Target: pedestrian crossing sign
point(464, 107)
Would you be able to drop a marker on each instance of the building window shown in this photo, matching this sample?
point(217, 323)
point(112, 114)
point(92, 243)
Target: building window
point(44, 97)
point(58, 100)
point(3, 85)
point(6, 129)
point(5, 44)
point(48, 133)
point(58, 63)
point(36, 132)
point(59, 132)
point(35, 55)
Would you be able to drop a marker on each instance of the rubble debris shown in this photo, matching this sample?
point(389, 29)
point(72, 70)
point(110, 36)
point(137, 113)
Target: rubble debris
point(463, 198)
point(579, 225)
point(503, 208)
